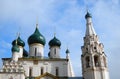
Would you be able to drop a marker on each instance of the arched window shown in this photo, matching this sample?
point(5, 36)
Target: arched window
point(42, 70)
point(30, 72)
point(87, 61)
point(57, 71)
point(96, 60)
point(104, 60)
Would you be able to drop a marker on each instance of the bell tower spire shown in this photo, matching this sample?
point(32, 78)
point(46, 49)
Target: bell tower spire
point(89, 26)
point(94, 64)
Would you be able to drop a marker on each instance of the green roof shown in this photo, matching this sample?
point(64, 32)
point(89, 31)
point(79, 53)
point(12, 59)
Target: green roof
point(88, 15)
point(15, 48)
point(67, 51)
point(20, 42)
point(36, 37)
point(54, 42)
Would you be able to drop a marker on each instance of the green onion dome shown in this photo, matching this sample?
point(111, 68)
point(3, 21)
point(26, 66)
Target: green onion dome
point(54, 42)
point(67, 51)
point(88, 15)
point(36, 37)
point(20, 42)
point(15, 48)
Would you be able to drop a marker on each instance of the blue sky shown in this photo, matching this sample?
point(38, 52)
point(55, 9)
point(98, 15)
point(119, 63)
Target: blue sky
point(67, 16)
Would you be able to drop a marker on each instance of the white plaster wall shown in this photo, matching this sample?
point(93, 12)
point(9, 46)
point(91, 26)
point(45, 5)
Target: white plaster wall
point(21, 52)
point(39, 52)
point(98, 75)
point(52, 52)
point(106, 75)
point(15, 56)
point(89, 20)
point(14, 75)
point(49, 66)
point(88, 75)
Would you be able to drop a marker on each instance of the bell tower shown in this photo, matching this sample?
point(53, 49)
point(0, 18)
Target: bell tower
point(94, 64)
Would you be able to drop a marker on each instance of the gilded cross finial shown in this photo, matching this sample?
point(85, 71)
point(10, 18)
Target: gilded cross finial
point(16, 42)
point(37, 22)
point(54, 31)
point(17, 35)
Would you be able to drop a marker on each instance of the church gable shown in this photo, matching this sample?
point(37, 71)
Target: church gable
point(46, 76)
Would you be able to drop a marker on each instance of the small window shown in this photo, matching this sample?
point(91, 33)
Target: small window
point(42, 70)
point(35, 52)
point(87, 49)
point(57, 71)
point(55, 51)
point(94, 47)
point(30, 72)
point(87, 61)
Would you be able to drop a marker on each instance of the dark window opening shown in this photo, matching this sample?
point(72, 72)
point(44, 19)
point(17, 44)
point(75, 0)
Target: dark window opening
point(94, 47)
point(57, 71)
point(30, 72)
point(86, 48)
point(96, 61)
point(88, 61)
point(35, 52)
point(42, 71)
point(55, 51)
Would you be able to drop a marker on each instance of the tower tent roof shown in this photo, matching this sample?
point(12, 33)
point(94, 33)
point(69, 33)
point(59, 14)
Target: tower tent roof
point(89, 26)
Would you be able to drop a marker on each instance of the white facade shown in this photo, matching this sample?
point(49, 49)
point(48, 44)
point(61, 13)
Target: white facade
point(48, 65)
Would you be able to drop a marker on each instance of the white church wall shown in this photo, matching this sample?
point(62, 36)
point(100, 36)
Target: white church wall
point(88, 75)
point(55, 52)
point(12, 76)
point(39, 50)
point(48, 66)
point(21, 52)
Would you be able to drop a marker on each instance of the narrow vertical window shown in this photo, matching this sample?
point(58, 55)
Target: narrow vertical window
point(87, 61)
point(57, 71)
point(35, 52)
point(42, 70)
point(30, 72)
point(55, 51)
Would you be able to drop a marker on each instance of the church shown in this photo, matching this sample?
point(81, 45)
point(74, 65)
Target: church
point(34, 65)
